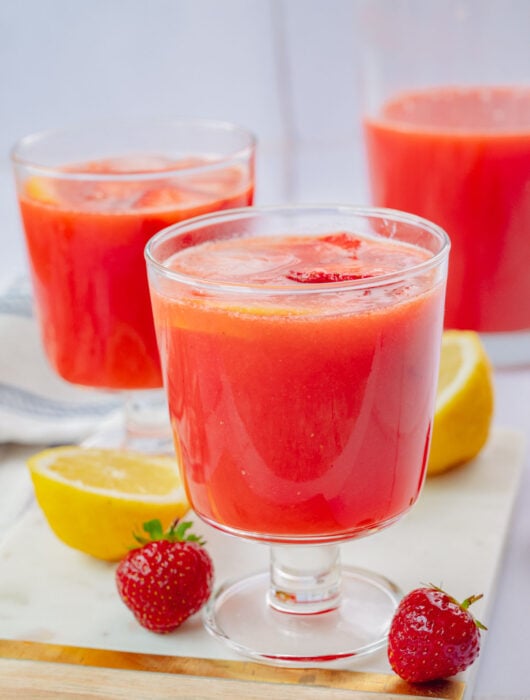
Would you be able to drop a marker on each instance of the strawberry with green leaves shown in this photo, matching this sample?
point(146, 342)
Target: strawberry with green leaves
point(167, 578)
point(432, 636)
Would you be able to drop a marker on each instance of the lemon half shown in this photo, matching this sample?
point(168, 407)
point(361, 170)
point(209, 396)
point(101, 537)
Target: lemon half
point(96, 499)
point(464, 402)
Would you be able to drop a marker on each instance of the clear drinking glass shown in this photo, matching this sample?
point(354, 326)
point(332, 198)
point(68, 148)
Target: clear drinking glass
point(300, 349)
point(90, 198)
point(446, 107)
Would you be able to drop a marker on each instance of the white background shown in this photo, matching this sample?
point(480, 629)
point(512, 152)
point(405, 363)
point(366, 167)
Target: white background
point(289, 70)
point(285, 69)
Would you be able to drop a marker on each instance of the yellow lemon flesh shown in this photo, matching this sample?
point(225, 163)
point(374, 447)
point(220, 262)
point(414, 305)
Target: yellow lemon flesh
point(41, 189)
point(96, 499)
point(464, 402)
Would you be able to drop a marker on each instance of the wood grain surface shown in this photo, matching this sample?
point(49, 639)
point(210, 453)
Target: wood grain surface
point(42, 671)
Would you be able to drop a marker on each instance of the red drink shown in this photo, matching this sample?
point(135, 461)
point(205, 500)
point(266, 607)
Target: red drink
point(461, 158)
point(301, 415)
point(85, 237)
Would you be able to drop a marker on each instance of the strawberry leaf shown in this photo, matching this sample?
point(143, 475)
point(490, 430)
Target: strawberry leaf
point(154, 529)
point(178, 532)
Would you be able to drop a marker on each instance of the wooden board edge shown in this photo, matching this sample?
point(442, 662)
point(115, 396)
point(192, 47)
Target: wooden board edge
point(228, 669)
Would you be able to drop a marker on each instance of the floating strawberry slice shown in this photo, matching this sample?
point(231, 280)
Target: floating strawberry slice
point(133, 165)
point(217, 182)
point(343, 240)
point(317, 276)
point(161, 198)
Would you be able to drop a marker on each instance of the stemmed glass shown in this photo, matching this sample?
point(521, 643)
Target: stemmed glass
point(90, 198)
point(300, 349)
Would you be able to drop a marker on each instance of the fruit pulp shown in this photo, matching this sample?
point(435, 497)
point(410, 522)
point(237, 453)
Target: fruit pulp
point(85, 237)
point(300, 417)
point(461, 158)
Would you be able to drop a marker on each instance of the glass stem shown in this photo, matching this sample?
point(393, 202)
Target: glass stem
point(305, 579)
point(146, 418)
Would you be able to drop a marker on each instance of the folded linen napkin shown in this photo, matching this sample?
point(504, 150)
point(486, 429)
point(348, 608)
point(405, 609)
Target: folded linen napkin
point(36, 406)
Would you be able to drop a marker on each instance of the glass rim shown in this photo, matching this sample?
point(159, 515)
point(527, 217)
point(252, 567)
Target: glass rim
point(54, 171)
point(296, 288)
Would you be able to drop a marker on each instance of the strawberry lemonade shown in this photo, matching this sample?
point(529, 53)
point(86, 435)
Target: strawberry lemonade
point(461, 158)
point(86, 225)
point(301, 368)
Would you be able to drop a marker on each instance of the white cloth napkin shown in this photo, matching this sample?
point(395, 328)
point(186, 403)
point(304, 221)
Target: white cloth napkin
point(36, 406)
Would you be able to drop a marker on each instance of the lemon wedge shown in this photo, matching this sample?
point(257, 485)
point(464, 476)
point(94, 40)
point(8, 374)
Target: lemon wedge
point(96, 499)
point(41, 189)
point(464, 402)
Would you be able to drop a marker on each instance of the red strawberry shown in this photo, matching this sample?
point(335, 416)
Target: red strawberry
point(167, 579)
point(432, 636)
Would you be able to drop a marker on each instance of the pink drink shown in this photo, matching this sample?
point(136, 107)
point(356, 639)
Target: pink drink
point(461, 158)
point(301, 416)
point(85, 239)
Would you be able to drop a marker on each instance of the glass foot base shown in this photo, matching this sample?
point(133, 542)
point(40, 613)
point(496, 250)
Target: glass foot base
point(239, 614)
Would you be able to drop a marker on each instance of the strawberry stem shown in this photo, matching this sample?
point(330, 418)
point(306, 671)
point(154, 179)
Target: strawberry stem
point(469, 601)
point(176, 533)
point(464, 604)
